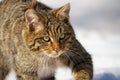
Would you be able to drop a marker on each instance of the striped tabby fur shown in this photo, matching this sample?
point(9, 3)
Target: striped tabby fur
point(35, 40)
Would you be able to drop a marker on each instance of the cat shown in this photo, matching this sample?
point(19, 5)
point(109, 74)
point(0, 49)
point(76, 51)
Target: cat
point(35, 40)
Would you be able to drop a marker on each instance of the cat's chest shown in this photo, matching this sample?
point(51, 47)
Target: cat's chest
point(45, 61)
point(46, 67)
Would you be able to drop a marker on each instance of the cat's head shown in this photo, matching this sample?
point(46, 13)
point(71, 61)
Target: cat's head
point(48, 33)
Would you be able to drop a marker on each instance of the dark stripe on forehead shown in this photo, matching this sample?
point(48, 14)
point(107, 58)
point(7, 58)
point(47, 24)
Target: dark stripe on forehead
point(52, 29)
point(57, 26)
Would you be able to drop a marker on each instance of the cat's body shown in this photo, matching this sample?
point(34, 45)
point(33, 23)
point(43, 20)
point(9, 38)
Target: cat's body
point(35, 40)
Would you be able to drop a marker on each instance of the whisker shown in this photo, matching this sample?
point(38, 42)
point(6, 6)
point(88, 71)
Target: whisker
point(77, 53)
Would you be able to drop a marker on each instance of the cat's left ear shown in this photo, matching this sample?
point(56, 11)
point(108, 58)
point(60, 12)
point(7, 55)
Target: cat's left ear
point(33, 22)
point(62, 11)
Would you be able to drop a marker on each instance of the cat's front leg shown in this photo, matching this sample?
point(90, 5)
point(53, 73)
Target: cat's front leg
point(26, 77)
point(3, 73)
point(81, 75)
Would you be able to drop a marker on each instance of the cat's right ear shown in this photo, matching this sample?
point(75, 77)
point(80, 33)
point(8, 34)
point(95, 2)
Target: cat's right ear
point(62, 11)
point(33, 22)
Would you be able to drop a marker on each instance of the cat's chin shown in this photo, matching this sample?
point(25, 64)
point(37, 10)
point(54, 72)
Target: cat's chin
point(54, 54)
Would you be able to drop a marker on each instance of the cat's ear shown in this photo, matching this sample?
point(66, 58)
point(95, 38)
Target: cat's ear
point(33, 22)
point(62, 11)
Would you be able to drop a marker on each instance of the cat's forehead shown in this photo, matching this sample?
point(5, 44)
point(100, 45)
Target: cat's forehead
point(55, 21)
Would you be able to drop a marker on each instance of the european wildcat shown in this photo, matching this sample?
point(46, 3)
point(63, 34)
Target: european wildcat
point(35, 41)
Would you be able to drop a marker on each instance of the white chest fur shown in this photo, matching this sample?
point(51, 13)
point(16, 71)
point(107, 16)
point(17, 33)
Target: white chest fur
point(47, 67)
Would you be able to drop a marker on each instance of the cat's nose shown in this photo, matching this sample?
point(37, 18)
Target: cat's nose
point(57, 49)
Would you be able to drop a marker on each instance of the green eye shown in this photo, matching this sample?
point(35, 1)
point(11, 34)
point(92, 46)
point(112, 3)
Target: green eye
point(46, 38)
point(62, 36)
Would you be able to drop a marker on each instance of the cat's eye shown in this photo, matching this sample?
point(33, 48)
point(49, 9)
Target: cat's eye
point(46, 38)
point(62, 36)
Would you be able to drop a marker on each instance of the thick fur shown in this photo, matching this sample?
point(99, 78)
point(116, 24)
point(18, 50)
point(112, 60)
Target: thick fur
point(23, 26)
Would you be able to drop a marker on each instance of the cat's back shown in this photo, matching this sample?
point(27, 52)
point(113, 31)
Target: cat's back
point(11, 20)
point(11, 12)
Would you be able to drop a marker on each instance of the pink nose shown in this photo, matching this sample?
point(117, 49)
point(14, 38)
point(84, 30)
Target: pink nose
point(57, 49)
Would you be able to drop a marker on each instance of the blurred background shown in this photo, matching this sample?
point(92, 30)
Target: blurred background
point(97, 27)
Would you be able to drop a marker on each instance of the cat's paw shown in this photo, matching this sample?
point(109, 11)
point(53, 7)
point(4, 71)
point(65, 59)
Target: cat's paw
point(81, 75)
